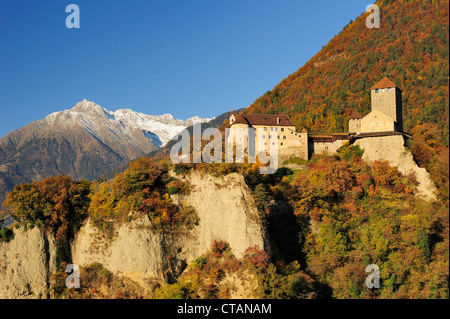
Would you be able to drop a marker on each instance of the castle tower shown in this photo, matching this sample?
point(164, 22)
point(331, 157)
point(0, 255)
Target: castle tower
point(387, 98)
point(232, 117)
point(354, 124)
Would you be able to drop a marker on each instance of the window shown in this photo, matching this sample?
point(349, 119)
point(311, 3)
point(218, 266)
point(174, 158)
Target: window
point(278, 136)
point(271, 129)
point(263, 136)
point(376, 90)
point(284, 137)
point(282, 129)
point(382, 90)
point(270, 136)
point(265, 129)
point(381, 101)
point(276, 129)
point(281, 143)
point(389, 89)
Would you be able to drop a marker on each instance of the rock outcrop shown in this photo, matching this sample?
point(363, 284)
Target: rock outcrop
point(134, 251)
point(393, 150)
point(226, 212)
point(25, 264)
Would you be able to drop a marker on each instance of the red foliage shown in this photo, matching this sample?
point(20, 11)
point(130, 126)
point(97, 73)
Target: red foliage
point(256, 257)
point(218, 247)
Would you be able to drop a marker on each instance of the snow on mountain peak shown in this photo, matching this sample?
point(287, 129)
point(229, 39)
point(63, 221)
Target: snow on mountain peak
point(157, 128)
point(85, 106)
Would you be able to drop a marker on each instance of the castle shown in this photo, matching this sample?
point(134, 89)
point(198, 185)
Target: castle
point(385, 119)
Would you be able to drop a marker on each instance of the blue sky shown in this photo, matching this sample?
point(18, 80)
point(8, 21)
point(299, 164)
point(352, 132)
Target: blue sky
point(181, 57)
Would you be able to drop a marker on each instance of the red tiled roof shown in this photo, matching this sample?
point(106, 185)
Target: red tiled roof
point(355, 115)
point(264, 119)
point(383, 83)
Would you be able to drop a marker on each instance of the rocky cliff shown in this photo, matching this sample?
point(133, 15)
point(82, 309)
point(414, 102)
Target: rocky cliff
point(393, 150)
point(226, 212)
point(25, 264)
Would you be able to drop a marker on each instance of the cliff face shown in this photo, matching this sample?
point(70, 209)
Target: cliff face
point(392, 149)
point(134, 251)
point(226, 212)
point(25, 263)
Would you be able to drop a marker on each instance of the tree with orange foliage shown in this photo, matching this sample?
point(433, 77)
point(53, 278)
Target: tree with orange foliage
point(56, 204)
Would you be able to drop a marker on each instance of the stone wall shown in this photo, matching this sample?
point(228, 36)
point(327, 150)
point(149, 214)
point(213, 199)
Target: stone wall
point(377, 121)
point(388, 101)
point(327, 148)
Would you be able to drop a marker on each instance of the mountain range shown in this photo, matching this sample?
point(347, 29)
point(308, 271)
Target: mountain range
point(85, 142)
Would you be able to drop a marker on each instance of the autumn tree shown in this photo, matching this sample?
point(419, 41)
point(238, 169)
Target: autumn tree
point(56, 204)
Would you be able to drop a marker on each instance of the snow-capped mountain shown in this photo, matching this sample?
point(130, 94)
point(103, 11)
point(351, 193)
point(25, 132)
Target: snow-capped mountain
point(159, 129)
point(85, 142)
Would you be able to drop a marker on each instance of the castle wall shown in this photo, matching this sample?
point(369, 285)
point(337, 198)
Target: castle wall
point(327, 148)
point(289, 142)
point(377, 121)
point(294, 145)
point(354, 126)
point(385, 101)
point(388, 101)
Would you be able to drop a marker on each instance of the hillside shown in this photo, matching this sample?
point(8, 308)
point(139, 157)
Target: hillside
point(410, 47)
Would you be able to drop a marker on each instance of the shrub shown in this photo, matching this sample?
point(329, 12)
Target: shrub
point(181, 169)
point(174, 291)
point(256, 257)
point(177, 187)
point(218, 247)
point(6, 234)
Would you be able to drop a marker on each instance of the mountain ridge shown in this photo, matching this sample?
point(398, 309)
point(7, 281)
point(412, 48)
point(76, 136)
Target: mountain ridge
point(84, 141)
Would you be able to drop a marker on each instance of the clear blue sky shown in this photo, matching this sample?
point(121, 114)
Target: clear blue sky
point(180, 57)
